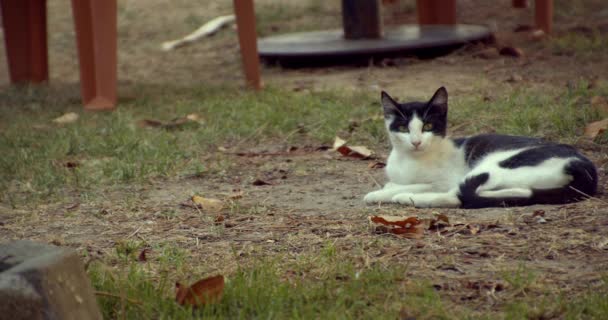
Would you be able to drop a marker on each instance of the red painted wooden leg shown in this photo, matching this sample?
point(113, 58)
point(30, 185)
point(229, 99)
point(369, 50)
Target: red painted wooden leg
point(24, 23)
point(544, 15)
point(519, 4)
point(436, 11)
point(245, 20)
point(95, 23)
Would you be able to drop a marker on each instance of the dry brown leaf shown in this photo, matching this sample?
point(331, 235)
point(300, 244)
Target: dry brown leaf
point(69, 117)
point(208, 204)
point(202, 292)
point(596, 128)
point(410, 227)
point(359, 152)
point(511, 52)
point(149, 123)
point(538, 213)
point(142, 255)
point(71, 164)
point(260, 182)
point(219, 219)
point(440, 221)
point(599, 104)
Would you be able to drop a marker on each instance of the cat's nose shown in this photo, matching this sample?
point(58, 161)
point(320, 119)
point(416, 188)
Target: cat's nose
point(416, 144)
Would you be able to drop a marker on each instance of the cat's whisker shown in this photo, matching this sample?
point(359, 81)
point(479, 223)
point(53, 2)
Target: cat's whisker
point(588, 196)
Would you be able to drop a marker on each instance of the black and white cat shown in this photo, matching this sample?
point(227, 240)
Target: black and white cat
point(427, 169)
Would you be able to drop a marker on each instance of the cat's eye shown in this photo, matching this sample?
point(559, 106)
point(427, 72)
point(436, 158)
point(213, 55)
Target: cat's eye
point(403, 129)
point(427, 127)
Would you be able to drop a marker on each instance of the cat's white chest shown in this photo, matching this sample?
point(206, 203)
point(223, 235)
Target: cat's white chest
point(443, 168)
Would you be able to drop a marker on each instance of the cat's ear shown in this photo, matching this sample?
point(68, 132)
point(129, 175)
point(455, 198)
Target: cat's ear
point(439, 101)
point(388, 104)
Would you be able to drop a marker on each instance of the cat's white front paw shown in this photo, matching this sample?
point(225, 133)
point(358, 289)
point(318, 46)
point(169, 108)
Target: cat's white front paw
point(378, 196)
point(404, 198)
point(429, 200)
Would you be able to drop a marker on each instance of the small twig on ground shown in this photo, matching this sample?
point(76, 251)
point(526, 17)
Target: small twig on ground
point(588, 196)
point(134, 232)
point(374, 180)
point(251, 136)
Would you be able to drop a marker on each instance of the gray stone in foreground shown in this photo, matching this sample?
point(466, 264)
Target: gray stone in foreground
point(40, 281)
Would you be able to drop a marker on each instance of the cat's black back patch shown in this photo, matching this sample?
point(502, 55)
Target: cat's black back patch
point(477, 147)
point(534, 156)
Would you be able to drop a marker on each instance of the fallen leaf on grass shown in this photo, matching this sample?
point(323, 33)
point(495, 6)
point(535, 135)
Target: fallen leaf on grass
point(359, 152)
point(410, 227)
point(71, 164)
point(208, 204)
point(219, 219)
point(202, 292)
point(599, 104)
point(192, 118)
point(594, 129)
point(142, 255)
point(69, 117)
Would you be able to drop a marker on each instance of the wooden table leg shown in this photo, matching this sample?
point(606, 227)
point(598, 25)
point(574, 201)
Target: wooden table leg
point(24, 23)
point(245, 21)
point(96, 32)
point(436, 11)
point(544, 15)
point(362, 19)
point(521, 4)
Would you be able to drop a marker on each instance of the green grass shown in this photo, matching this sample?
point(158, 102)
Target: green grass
point(558, 118)
point(326, 285)
point(111, 149)
point(581, 46)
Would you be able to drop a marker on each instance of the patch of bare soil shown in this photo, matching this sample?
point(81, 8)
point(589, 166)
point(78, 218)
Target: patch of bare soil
point(310, 197)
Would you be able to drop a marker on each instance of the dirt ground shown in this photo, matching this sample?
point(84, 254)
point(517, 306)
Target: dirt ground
point(315, 196)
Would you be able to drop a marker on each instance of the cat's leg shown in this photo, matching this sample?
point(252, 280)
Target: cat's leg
point(391, 189)
point(506, 193)
point(430, 199)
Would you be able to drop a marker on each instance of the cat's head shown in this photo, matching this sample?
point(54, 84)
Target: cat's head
point(415, 126)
